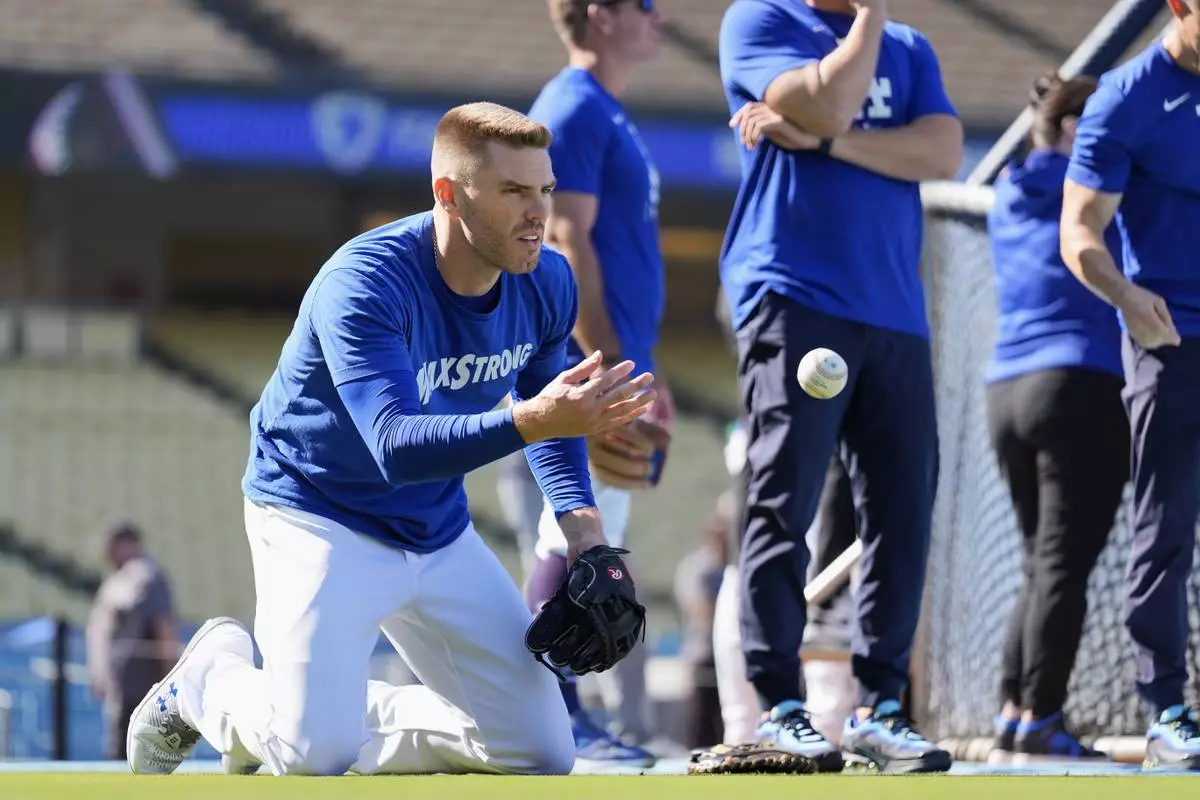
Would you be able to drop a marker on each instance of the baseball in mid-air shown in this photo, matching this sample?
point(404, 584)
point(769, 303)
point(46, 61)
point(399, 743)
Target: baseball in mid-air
point(822, 373)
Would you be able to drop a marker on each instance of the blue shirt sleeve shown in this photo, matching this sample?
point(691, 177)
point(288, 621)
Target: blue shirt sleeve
point(929, 95)
point(758, 43)
point(1102, 156)
point(582, 134)
point(360, 325)
point(559, 465)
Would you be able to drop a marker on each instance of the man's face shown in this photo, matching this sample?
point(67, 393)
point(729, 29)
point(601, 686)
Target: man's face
point(504, 207)
point(121, 550)
point(636, 29)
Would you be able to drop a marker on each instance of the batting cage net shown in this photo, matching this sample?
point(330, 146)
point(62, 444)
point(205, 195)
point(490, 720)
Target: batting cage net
point(975, 558)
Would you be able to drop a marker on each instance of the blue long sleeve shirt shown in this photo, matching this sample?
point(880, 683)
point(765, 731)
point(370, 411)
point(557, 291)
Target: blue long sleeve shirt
point(388, 389)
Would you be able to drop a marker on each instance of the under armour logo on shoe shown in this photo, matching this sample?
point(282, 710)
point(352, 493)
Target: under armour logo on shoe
point(173, 691)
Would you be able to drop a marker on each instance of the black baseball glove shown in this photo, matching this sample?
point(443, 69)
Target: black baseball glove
point(593, 620)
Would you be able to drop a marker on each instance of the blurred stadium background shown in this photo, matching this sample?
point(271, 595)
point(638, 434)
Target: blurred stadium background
point(172, 172)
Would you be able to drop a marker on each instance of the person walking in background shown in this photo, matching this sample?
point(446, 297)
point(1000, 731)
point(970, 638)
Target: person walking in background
point(1057, 425)
point(131, 632)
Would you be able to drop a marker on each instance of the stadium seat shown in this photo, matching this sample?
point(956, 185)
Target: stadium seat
point(146, 35)
point(85, 447)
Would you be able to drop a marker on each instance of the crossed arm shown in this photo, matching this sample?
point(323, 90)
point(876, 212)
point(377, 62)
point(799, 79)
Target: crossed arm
point(929, 148)
point(819, 98)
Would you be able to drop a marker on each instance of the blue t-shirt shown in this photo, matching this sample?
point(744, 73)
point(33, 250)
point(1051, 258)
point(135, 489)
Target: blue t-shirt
point(1045, 317)
point(598, 151)
point(1140, 136)
point(835, 237)
point(387, 388)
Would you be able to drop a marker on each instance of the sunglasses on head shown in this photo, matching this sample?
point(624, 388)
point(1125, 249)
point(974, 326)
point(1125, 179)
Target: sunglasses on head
point(646, 6)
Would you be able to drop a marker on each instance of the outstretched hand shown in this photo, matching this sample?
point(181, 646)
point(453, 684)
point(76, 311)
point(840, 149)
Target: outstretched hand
point(583, 400)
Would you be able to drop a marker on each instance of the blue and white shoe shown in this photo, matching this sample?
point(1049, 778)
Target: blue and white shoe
point(597, 749)
point(1048, 739)
point(788, 727)
point(160, 736)
point(887, 742)
point(1004, 742)
point(1173, 742)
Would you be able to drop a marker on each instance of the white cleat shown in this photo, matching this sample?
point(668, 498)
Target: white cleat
point(159, 738)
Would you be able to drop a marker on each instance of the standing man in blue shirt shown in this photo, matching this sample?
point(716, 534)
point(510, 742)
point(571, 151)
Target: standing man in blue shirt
point(823, 250)
point(604, 219)
point(1135, 162)
point(386, 394)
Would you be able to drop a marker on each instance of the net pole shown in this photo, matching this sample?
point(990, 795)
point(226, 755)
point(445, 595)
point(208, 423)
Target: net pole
point(1120, 28)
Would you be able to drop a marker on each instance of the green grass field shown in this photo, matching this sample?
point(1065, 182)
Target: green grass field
point(98, 786)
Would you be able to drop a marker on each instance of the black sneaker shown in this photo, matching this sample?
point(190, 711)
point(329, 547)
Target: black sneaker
point(1048, 739)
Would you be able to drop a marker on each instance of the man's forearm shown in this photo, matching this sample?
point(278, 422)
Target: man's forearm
point(412, 447)
point(593, 327)
point(1086, 254)
point(560, 467)
point(826, 97)
point(167, 644)
point(922, 151)
point(581, 524)
point(98, 654)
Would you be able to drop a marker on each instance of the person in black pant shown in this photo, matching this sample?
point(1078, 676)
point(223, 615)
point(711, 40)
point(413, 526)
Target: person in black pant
point(1057, 425)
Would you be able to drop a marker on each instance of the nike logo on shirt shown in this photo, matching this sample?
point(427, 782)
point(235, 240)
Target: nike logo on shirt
point(1171, 105)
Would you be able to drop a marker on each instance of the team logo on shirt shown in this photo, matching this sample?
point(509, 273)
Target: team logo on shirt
point(455, 372)
point(878, 104)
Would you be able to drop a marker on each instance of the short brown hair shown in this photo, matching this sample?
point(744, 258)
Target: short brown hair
point(465, 130)
point(1053, 100)
point(570, 17)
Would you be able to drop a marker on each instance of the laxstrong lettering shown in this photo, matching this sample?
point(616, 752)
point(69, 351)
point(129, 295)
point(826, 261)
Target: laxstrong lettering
point(455, 372)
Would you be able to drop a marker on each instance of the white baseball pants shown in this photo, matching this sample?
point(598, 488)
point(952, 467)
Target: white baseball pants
point(624, 687)
point(739, 702)
point(455, 616)
point(832, 688)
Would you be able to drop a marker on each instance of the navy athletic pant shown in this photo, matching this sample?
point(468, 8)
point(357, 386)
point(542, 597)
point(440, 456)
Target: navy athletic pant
point(1162, 398)
point(886, 421)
